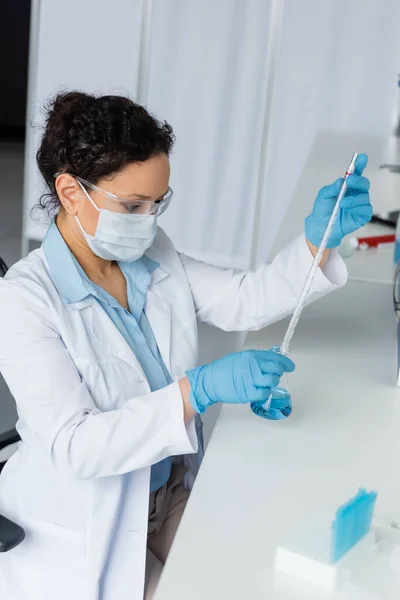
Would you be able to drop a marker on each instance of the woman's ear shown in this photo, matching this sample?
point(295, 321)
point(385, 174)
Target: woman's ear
point(68, 192)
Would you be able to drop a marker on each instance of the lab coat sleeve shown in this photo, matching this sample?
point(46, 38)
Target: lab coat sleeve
point(59, 411)
point(245, 301)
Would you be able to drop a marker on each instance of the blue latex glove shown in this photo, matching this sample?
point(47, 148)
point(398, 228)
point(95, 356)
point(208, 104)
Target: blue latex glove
point(355, 211)
point(237, 378)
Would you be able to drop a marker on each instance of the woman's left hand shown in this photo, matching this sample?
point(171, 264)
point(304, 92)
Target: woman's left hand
point(355, 209)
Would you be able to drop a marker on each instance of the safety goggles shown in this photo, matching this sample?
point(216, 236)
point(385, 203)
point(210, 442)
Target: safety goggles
point(133, 206)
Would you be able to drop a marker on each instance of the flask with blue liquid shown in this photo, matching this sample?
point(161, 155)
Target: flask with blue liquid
point(279, 404)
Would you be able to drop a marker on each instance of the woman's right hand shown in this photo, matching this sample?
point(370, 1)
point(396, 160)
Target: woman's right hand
point(237, 378)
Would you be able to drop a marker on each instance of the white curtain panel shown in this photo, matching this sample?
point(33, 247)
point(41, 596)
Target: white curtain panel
point(208, 79)
point(337, 70)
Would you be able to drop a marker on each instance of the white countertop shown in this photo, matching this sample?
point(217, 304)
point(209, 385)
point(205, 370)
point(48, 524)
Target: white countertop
point(261, 479)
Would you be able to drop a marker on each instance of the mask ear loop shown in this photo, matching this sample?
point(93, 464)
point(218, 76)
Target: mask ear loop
point(90, 200)
point(88, 196)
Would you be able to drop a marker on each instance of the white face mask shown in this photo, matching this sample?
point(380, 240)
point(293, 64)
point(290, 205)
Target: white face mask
point(119, 236)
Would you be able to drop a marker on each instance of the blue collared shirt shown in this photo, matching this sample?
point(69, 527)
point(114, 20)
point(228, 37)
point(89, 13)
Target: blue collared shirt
point(74, 285)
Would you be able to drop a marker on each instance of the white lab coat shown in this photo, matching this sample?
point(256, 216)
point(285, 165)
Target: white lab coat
point(91, 428)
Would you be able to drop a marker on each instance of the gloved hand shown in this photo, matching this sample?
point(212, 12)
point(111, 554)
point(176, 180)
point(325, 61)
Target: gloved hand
point(237, 378)
point(355, 211)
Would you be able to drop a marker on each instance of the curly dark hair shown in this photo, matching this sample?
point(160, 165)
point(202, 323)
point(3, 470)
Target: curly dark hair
point(94, 137)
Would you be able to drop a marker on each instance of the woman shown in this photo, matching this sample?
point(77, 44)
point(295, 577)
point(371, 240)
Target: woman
point(98, 346)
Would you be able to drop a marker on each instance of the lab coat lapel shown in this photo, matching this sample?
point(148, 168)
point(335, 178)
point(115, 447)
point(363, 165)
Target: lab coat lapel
point(107, 334)
point(158, 312)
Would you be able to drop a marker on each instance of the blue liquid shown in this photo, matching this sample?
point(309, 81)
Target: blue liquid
point(280, 407)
